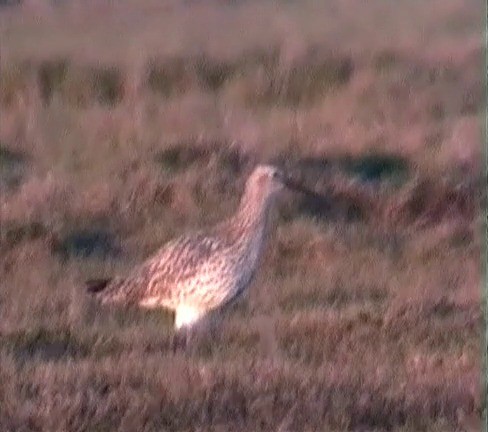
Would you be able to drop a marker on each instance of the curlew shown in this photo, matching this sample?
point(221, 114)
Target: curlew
point(198, 273)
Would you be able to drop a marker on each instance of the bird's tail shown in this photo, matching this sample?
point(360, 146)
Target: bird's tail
point(94, 286)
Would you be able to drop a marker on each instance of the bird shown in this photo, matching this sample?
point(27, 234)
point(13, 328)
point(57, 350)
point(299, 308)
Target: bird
point(201, 272)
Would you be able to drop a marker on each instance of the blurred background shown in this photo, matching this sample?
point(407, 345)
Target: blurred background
point(125, 123)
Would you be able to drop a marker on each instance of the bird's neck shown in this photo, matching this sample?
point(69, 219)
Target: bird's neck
point(251, 216)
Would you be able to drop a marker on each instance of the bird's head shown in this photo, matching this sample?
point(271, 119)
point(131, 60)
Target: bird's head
point(268, 180)
point(265, 180)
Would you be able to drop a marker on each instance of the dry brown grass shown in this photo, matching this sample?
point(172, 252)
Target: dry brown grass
point(124, 124)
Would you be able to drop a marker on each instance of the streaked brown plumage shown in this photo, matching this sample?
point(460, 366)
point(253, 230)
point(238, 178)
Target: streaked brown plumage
point(203, 271)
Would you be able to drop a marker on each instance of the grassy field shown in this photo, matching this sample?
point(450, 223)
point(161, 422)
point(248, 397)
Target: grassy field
point(126, 123)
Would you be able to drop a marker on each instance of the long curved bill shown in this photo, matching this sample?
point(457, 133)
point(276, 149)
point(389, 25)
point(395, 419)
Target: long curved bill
point(298, 187)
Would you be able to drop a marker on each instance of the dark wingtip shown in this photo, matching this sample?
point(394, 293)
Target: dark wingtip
point(94, 286)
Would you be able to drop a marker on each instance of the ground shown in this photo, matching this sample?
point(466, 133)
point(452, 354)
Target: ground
point(126, 123)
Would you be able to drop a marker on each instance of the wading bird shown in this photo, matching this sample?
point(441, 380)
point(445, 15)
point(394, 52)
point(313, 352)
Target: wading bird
point(204, 271)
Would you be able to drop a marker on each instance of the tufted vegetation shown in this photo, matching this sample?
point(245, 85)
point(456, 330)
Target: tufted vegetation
point(124, 124)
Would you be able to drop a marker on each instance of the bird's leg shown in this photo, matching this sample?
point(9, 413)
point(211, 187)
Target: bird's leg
point(214, 327)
